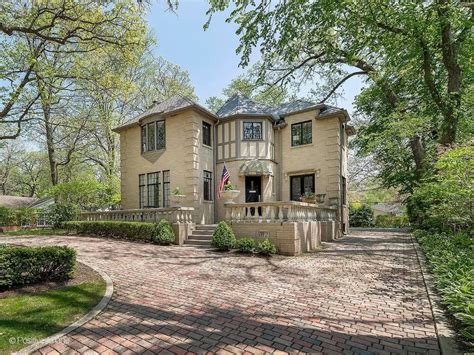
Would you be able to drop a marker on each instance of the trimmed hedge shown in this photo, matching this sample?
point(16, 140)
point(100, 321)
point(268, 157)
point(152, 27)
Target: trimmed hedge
point(266, 248)
point(223, 238)
point(21, 266)
point(133, 231)
point(246, 245)
point(164, 233)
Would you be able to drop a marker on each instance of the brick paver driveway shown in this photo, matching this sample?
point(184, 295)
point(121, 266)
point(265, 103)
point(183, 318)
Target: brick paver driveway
point(362, 294)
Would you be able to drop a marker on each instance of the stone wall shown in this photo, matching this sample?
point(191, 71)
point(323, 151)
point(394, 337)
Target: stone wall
point(291, 238)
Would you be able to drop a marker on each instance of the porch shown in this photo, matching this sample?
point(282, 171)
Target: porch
point(295, 227)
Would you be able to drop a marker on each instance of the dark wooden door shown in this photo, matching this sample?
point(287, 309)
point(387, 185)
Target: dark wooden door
point(253, 188)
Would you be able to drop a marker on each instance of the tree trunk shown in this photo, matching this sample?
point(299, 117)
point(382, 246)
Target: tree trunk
point(450, 51)
point(53, 166)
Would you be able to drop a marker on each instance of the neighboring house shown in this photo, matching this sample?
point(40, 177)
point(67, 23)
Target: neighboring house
point(387, 209)
point(272, 154)
point(39, 204)
point(16, 201)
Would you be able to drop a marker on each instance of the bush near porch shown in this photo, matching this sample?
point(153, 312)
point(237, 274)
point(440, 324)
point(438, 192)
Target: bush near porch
point(21, 266)
point(161, 233)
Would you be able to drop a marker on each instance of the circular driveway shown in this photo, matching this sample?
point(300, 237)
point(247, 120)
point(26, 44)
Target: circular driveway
point(362, 294)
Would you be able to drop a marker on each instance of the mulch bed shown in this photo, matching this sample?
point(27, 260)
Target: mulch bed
point(83, 274)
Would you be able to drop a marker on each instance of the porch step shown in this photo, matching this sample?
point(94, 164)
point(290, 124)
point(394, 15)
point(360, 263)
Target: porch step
point(201, 236)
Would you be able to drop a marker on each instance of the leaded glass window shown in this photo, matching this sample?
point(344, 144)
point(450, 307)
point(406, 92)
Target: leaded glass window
point(252, 130)
point(141, 190)
point(301, 133)
point(206, 133)
point(153, 187)
point(207, 185)
point(153, 136)
point(161, 135)
point(166, 188)
point(301, 184)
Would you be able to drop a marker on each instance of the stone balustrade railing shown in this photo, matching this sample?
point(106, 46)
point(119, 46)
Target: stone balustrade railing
point(266, 212)
point(171, 214)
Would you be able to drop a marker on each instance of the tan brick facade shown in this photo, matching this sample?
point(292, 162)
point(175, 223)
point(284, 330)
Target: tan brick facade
point(186, 158)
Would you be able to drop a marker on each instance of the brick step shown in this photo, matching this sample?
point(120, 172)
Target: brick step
point(198, 242)
point(200, 237)
point(205, 228)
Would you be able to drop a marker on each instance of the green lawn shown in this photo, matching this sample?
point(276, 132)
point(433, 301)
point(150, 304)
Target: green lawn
point(35, 231)
point(41, 315)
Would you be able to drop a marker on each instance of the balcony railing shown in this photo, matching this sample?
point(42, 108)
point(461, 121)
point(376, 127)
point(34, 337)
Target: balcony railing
point(266, 212)
point(171, 214)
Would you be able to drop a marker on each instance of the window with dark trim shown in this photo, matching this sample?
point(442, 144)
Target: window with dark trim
point(153, 189)
point(301, 133)
point(166, 188)
point(252, 131)
point(207, 185)
point(141, 190)
point(300, 184)
point(153, 136)
point(206, 134)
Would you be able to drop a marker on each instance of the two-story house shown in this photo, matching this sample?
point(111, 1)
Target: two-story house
point(272, 154)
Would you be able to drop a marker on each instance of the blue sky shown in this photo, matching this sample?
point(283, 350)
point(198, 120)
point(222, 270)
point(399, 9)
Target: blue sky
point(209, 56)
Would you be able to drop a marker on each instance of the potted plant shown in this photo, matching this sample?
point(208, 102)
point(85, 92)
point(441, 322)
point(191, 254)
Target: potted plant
point(308, 197)
point(230, 193)
point(177, 197)
point(320, 198)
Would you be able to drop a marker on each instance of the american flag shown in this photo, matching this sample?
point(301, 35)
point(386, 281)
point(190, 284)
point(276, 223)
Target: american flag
point(224, 179)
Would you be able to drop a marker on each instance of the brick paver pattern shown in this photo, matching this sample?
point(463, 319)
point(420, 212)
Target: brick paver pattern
point(362, 294)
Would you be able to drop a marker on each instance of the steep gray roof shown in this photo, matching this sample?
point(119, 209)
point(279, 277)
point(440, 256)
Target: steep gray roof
point(295, 106)
point(174, 103)
point(241, 105)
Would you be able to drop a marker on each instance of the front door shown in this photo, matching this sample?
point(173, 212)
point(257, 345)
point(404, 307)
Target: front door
point(253, 188)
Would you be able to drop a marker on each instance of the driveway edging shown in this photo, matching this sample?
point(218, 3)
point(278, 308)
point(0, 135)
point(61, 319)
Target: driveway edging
point(109, 290)
point(446, 336)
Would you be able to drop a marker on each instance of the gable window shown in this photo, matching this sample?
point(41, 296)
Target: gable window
point(301, 184)
point(153, 187)
point(153, 136)
point(206, 133)
point(301, 133)
point(207, 185)
point(252, 130)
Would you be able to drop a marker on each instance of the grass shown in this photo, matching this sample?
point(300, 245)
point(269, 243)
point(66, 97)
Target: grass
point(34, 231)
point(34, 317)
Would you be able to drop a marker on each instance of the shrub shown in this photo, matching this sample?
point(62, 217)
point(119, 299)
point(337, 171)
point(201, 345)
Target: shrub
point(246, 245)
point(266, 247)
point(7, 217)
point(390, 221)
point(59, 213)
point(164, 234)
point(27, 265)
point(223, 237)
point(137, 231)
point(362, 216)
point(445, 201)
point(451, 260)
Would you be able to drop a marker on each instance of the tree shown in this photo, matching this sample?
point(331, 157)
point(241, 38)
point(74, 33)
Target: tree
point(30, 30)
point(244, 85)
point(413, 55)
point(8, 160)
